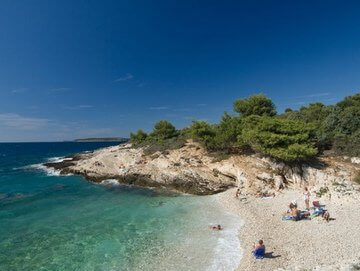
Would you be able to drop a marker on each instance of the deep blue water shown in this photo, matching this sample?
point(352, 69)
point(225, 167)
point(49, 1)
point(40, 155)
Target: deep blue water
point(66, 223)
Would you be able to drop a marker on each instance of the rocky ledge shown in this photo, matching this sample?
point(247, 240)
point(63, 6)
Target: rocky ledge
point(191, 170)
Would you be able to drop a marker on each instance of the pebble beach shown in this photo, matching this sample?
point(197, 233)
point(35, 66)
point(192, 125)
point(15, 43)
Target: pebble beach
point(302, 245)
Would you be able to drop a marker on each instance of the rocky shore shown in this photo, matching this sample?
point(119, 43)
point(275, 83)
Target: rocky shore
point(191, 170)
point(266, 188)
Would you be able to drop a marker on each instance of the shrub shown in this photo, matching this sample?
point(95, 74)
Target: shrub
point(255, 105)
point(164, 146)
point(286, 140)
point(226, 133)
point(139, 137)
point(163, 130)
point(202, 132)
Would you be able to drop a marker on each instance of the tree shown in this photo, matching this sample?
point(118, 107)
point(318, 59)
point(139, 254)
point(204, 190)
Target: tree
point(138, 137)
point(350, 101)
point(314, 113)
point(285, 140)
point(227, 131)
point(163, 130)
point(255, 105)
point(203, 132)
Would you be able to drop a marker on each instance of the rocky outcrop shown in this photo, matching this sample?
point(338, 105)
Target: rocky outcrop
point(191, 170)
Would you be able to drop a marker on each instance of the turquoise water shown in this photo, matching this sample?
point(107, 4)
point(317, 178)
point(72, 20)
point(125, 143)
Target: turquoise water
point(66, 223)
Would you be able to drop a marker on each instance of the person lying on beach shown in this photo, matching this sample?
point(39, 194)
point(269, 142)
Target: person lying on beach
point(259, 250)
point(216, 228)
point(295, 213)
point(265, 195)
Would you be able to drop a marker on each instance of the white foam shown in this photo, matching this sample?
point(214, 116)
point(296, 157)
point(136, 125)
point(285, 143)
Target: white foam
point(59, 159)
point(228, 252)
point(110, 182)
point(47, 170)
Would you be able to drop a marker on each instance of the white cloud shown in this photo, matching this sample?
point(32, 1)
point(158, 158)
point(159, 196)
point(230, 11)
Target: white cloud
point(159, 108)
point(13, 120)
point(126, 77)
point(19, 90)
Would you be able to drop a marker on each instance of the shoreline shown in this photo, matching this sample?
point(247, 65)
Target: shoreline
point(303, 245)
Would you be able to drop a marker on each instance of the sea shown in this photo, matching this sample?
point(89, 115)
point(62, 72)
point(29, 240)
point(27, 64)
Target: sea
point(63, 223)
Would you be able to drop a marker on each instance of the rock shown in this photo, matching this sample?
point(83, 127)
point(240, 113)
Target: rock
point(355, 160)
point(191, 170)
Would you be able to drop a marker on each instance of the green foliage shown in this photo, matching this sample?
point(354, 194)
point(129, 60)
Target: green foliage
point(164, 145)
point(342, 126)
point(294, 136)
point(226, 133)
point(221, 137)
point(163, 130)
point(322, 191)
point(314, 113)
point(255, 105)
point(286, 140)
point(139, 137)
point(202, 132)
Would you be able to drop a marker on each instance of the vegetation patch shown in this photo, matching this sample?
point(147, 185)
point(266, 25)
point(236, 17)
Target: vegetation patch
point(296, 136)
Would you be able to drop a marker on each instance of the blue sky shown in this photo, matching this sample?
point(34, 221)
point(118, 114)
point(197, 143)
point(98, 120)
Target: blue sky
point(71, 69)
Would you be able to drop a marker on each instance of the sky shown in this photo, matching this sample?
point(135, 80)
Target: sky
point(74, 68)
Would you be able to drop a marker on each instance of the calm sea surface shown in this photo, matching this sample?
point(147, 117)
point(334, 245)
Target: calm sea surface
point(51, 222)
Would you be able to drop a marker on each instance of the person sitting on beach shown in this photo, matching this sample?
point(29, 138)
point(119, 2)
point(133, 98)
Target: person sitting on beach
point(259, 250)
point(292, 205)
point(217, 228)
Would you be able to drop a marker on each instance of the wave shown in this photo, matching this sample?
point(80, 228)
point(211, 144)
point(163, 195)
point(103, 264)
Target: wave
point(228, 252)
point(110, 182)
point(48, 171)
point(59, 159)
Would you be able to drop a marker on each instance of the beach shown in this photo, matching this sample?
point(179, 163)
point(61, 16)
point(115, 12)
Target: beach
point(303, 245)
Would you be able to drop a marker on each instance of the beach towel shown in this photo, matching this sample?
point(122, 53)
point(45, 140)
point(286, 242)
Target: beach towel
point(259, 253)
point(287, 217)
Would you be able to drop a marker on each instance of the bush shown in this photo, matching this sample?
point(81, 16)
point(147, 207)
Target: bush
point(139, 137)
point(226, 133)
point(255, 105)
point(163, 130)
point(164, 145)
point(285, 140)
point(203, 132)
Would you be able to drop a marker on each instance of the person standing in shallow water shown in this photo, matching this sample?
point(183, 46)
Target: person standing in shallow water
point(307, 198)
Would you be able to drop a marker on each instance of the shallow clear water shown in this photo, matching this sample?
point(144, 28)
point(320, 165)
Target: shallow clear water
point(66, 223)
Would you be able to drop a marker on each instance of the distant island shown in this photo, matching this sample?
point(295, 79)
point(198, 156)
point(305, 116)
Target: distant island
point(102, 139)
